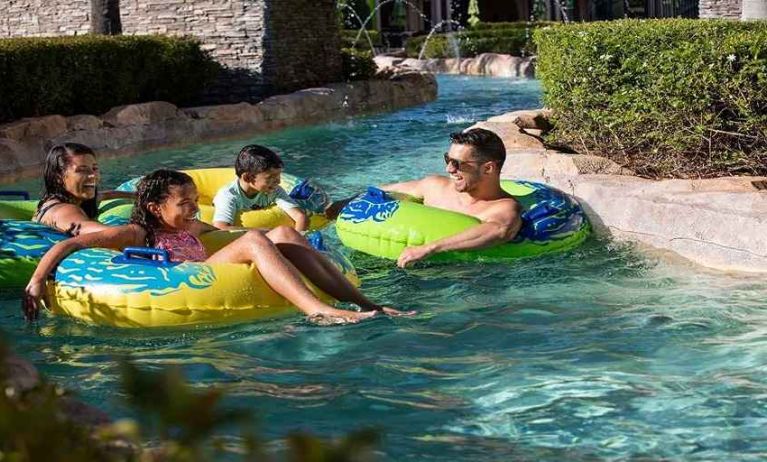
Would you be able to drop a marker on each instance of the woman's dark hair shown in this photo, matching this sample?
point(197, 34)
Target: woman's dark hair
point(56, 162)
point(254, 159)
point(487, 145)
point(155, 187)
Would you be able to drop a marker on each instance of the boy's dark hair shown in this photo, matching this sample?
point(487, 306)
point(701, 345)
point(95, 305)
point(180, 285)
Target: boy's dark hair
point(56, 162)
point(155, 187)
point(487, 145)
point(254, 159)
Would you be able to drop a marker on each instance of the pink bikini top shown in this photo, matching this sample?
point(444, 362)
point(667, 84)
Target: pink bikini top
point(181, 246)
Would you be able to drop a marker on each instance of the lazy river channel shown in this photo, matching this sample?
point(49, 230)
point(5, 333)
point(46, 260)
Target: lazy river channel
point(603, 352)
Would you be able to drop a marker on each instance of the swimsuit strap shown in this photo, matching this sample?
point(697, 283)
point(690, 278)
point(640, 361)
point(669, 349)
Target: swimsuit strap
point(41, 211)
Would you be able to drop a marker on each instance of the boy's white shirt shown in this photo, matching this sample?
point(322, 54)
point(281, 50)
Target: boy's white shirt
point(230, 201)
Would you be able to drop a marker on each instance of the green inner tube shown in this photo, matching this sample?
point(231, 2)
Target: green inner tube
point(379, 224)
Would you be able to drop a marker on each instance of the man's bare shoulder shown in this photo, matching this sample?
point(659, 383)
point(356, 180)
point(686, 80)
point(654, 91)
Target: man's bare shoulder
point(505, 209)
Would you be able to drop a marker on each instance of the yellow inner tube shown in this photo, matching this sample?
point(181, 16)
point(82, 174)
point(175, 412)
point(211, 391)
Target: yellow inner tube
point(99, 287)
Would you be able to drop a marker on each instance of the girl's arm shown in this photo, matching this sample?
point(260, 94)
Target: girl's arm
point(201, 227)
point(113, 238)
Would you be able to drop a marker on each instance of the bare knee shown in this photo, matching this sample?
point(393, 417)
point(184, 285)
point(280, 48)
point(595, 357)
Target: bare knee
point(284, 235)
point(256, 237)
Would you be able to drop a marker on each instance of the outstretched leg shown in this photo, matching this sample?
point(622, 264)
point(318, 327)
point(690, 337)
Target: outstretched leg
point(254, 247)
point(318, 269)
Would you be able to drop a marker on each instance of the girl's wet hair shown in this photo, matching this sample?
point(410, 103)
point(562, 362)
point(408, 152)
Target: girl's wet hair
point(155, 187)
point(56, 162)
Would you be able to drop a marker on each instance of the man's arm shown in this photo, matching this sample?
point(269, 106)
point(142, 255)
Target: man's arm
point(415, 188)
point(498, 226)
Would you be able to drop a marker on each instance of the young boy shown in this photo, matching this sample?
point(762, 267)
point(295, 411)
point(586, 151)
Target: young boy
point(257, 186)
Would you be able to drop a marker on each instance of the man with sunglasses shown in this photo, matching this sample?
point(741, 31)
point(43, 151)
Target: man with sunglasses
point(473, 188)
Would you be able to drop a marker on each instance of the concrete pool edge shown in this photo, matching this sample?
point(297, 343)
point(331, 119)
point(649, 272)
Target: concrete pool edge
point(137, 128)
point(717, 223)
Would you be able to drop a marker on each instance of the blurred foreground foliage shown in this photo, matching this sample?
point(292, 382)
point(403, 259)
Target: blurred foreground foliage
point(178, 424)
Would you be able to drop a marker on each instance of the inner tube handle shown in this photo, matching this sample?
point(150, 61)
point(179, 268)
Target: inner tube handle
point(144, 256)
point(22, 194)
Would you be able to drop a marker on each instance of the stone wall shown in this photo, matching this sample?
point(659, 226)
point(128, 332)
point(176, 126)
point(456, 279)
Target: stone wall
point(137, 128)
point(265, 45)
point(710, 9)
point(302, 31)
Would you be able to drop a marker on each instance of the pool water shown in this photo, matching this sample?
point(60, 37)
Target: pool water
point(603, 352)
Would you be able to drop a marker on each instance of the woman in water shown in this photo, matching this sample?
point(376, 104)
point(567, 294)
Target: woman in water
point(70, 196)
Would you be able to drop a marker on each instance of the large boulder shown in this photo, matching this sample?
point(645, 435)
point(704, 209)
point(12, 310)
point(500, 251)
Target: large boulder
point(513, 137)
point(84, 122)
point(384, 62)
point(142, 114)
point(240, 112)
point(527, 164)
point(532, 119)
point(46, 127)
point(20, 158)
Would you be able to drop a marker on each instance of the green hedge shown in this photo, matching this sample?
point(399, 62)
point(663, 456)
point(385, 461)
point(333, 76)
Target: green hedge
point(358, 64)
point(510, 25)
point(90, 74)
point(348, 39)
point(507, 38)
point(667, 98)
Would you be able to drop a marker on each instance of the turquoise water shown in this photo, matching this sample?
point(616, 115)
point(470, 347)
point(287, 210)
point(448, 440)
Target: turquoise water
point(600, 353)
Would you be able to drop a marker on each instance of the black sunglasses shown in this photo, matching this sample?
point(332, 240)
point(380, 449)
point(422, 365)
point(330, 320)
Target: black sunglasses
point(455, 163)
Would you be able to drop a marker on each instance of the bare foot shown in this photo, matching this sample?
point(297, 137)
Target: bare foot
point(387, 310)
point(393, 312)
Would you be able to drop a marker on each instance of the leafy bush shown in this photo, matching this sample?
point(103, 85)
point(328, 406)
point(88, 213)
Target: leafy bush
point(348, 39)
point(510, 25)
point(666, 98)
point(90, 74)
point(358, 64)
point(507, 38)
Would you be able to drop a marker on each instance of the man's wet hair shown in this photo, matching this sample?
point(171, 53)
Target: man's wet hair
point(254, 159)
point(487, 145)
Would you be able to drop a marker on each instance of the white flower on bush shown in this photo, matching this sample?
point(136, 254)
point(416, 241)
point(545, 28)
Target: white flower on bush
point(731, 57)
point(591, 68)
point(606, 56)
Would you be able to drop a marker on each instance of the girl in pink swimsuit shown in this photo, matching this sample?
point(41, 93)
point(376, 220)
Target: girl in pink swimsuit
point(164, 216)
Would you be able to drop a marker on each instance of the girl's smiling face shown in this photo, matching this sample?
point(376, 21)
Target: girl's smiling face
point(179, 210)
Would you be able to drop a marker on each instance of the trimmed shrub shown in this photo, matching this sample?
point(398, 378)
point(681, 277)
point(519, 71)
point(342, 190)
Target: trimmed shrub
point(348, 39)
point(92, 73)
point(511, 25)
point(666, 98)
point(508, 38)
point(358, 64)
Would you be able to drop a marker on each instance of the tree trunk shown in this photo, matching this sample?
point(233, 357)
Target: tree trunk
point(754, 9)
point(105, 17)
